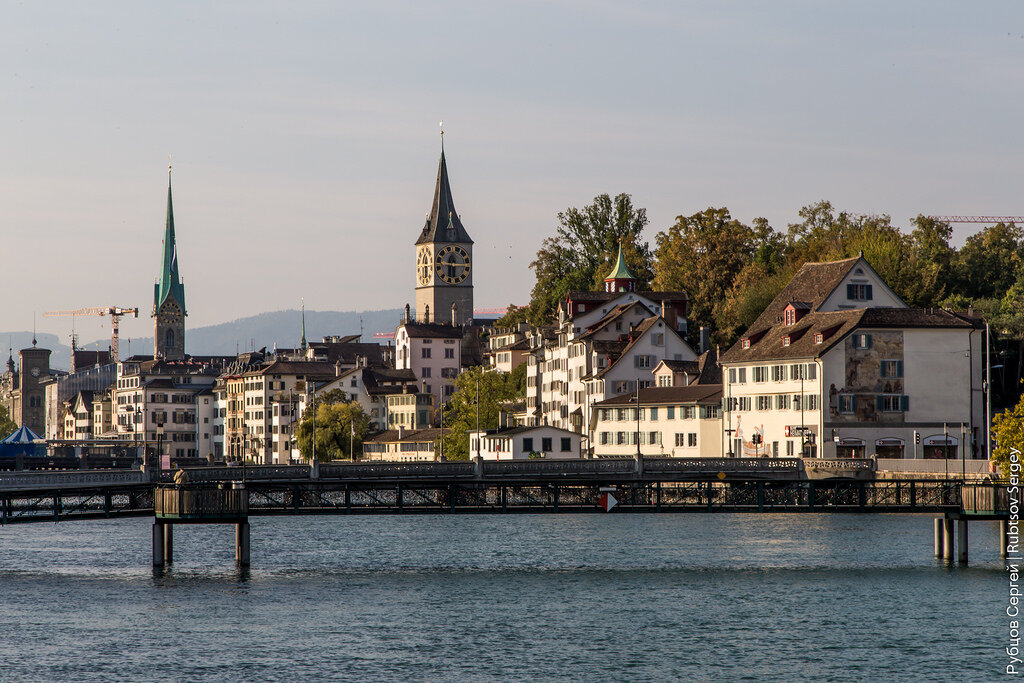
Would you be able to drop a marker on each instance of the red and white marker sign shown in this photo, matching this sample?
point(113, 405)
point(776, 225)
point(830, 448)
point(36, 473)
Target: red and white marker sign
point(607, 501)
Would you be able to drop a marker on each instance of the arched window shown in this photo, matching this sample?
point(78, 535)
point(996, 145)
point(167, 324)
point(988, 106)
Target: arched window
point(169, 337)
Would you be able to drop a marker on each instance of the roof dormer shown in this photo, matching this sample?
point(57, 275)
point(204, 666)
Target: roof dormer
point(794, 311)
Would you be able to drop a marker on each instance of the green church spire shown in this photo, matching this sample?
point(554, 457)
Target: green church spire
point(169, 285)
point(621, 272)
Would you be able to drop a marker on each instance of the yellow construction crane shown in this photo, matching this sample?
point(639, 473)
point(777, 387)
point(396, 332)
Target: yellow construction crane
point(115, 313)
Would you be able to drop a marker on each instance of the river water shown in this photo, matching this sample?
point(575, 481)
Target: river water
point(630, 597)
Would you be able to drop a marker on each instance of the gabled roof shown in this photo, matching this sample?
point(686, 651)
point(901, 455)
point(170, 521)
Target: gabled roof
point(443, 223)
point(297, 367)
point(834, 326)
point(433, 330)
point(694, 393)
point(613, 315)
point(634, 336)
point(811, 286)
point(587, 296)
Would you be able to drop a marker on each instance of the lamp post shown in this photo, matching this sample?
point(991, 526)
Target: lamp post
point(160, 446)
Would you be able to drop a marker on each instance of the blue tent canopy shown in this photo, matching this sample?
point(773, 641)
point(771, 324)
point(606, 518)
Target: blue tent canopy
point(23, 442)
point(23, 435)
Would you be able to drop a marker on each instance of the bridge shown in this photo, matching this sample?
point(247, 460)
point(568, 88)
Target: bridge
point(230, 495)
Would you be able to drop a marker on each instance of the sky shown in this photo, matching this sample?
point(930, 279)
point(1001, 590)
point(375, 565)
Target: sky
point(305, 141)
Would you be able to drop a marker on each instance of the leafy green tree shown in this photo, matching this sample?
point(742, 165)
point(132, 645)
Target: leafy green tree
point(513, 316)
point(460, 416)
point(335, 420)
point(1008, 434)
point(990, 261)
point(931, 262)
point(7, 425)
point(581, 253)
point(704, 253)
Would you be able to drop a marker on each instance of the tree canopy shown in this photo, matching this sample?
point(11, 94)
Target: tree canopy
point(460, 416)
point(335, 418)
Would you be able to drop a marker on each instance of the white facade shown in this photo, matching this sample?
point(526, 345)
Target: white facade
point(524, 443)
point(676, 422)
point(434, 353)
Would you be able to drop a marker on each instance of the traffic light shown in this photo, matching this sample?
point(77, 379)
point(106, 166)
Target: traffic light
point(917, 437)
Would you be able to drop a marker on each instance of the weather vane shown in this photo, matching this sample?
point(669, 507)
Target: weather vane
point(168, 163)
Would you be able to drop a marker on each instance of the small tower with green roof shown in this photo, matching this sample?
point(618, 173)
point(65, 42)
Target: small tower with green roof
point(620, 279)
point(169, 296)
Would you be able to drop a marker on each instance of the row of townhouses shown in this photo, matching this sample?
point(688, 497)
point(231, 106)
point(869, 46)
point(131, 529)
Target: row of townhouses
point(835, 366)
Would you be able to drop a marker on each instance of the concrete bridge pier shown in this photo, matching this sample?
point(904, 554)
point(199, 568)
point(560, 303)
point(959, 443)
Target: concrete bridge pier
point(961, 525)
point(242, 543)
point(158, 543)
point(947, 539)
point(168, 543)
point(938, 538)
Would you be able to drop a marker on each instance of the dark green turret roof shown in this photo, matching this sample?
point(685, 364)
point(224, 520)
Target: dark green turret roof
point(620, 272)
point(169, 285)
point(443, 223)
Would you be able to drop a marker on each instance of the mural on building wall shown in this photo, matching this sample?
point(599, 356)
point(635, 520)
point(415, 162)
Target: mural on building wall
point(867, 376)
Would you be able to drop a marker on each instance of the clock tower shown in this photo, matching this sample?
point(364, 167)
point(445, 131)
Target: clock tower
point(444, 260)
point(169, 296)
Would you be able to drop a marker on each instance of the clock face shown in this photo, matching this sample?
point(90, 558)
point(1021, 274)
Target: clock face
point(452, 264)
point(423, 266)
point(35, 372)
point(170, 314)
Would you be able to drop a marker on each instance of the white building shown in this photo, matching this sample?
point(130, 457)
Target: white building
point(682, 422)
point(524, 443)
point(399, 445)
point(837, 365)
point(433, 352)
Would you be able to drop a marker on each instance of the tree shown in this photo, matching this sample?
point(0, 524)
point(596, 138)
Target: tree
point(585, 244)
point(1008, 433)
point(513, 316)
point(990, 261)
point(704, 253)
point(7, 425)
point(931, 262)
point(460, 416)
point(335, 418)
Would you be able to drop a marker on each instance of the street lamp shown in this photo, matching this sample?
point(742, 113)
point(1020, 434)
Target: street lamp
point(160, 446)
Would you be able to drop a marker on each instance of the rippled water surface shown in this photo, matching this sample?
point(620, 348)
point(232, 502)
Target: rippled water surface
point(517, 597)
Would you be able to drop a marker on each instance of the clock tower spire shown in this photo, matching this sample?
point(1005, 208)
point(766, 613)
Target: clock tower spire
point(169, 295)
point(444, 254)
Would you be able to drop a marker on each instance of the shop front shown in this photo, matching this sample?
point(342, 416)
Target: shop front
point(889, 448)
point(938, 446)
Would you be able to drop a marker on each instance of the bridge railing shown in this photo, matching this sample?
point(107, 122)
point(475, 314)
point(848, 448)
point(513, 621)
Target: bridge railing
point(247, 473)
point(984, 499)
point(713, 465)
point(396, 470)
point(70, 479)
point(558, 467)
point(205, 502)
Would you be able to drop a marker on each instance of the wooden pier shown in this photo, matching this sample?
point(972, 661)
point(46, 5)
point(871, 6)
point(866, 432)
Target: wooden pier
point(203, 503)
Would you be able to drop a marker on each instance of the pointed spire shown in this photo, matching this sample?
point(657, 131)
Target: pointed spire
point(302, 342)
point(443, 222)
point(169, 283)
point(620, 272)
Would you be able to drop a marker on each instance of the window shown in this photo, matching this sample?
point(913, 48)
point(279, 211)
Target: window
point(710, 412)
point(789, 448)
point(643, 361)
point(566, 444)
point(691, 440)
point(670, 413)
point(760, 373)
point(450, 353)
point(892, 368)
point(545, 444)
point(737, 375)
point(764, 402)
point(796, 401)
point(847, 404)
point(856, 292)
point(654, 414)
point(424, 372)
point(686, 412)
point(424, 353)
point(744, 403)
point(812, 401)
point(664, 380)
point(527, 445)
point(892, 403)
point(782, 402)
point(680, 440)
point(862, 341)
point(778, 373)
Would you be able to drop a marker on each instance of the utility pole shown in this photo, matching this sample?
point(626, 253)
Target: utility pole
point(639, 455)
point(478, 437)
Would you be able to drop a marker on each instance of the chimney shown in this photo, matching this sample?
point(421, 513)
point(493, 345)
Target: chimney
point(401, 431)
point(705, 339)
point(455, 313)
point(405, 319)
point(668, 312)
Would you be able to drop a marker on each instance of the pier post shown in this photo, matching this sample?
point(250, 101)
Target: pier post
point(938, 537)
point(962, 541)
point(242, 544)
point(168, 541)
point(158, 544)
point(1004, 527)
point(947, 539)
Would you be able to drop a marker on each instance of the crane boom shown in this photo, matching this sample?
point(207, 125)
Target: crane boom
point(115, 313)
point(1019, 220)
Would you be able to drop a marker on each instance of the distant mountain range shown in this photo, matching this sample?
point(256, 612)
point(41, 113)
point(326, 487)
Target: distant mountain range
point(282, 328)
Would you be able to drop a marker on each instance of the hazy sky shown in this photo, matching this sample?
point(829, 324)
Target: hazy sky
point(305, 134)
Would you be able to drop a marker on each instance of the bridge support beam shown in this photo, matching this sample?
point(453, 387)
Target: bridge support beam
point(947, 540)
point(158, 544)
point(1004, 528)
point(938, 537)
point(961, 541)
point(168, 543)
point(242, 544)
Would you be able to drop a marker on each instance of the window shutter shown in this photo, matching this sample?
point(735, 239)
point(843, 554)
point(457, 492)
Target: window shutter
point(636, 361)
point(904, 403)
point(867, 292)
point(849, 291)
point(899, 368)
point(883, 370)
point(879, 403)
point(867, 341)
